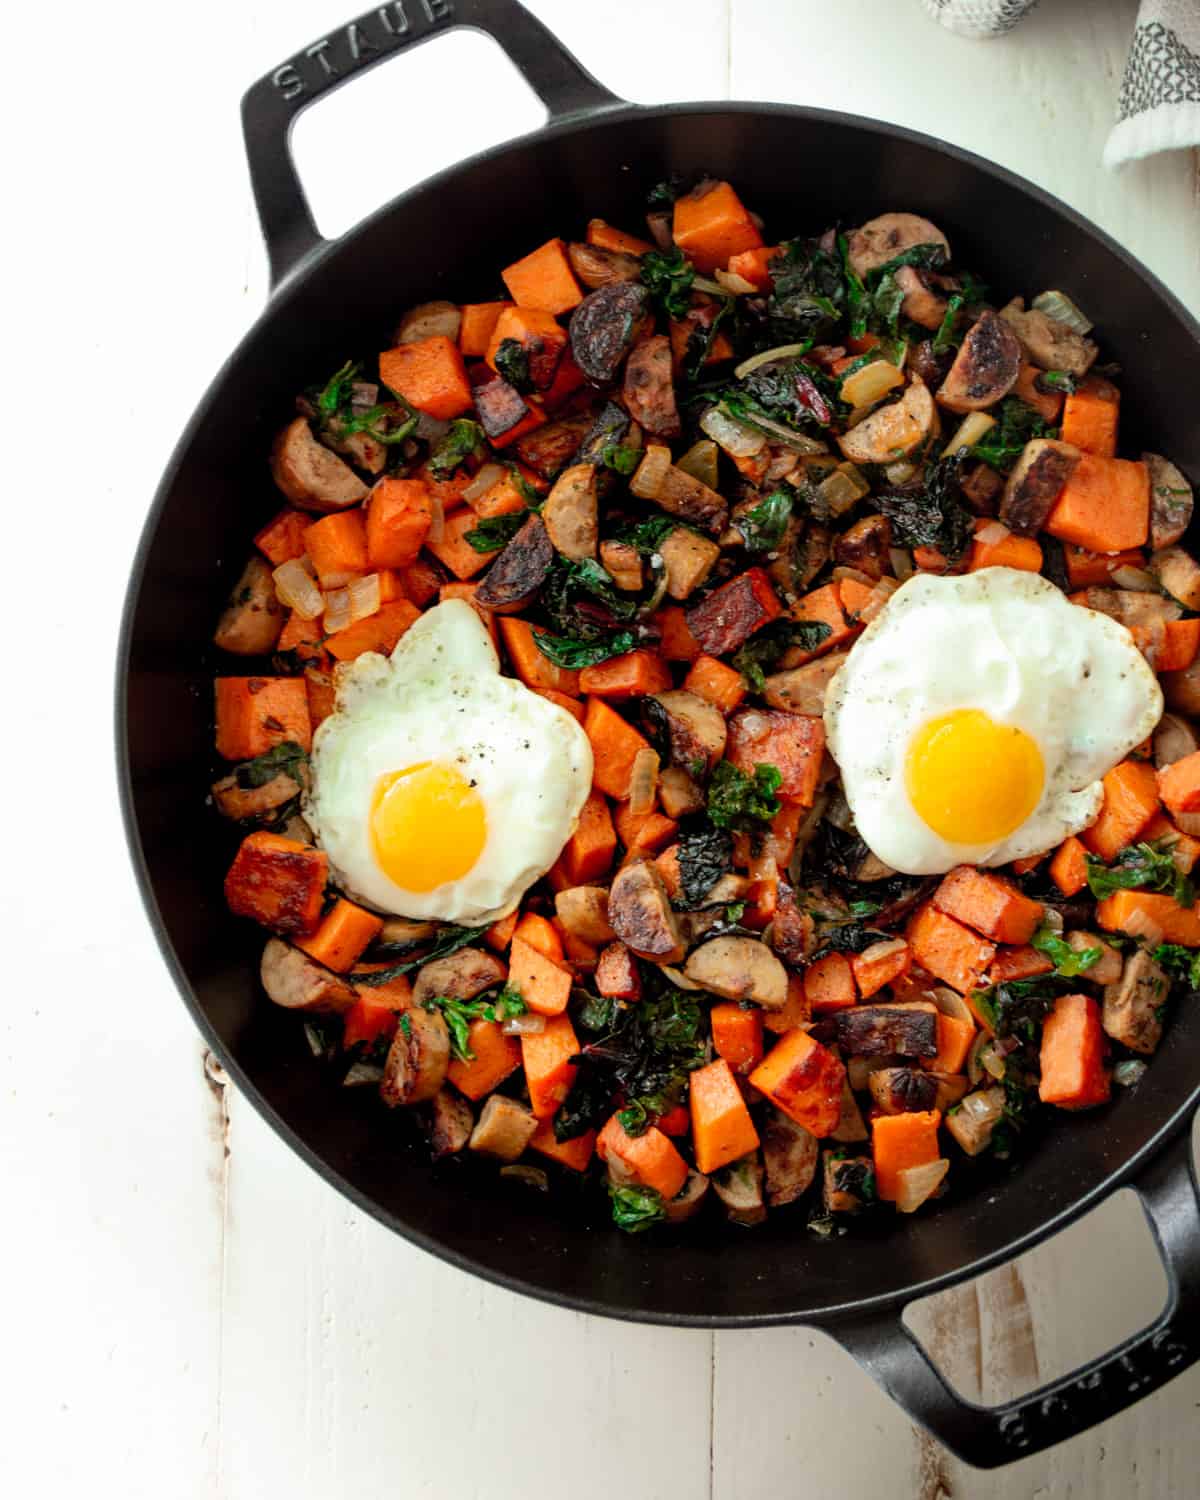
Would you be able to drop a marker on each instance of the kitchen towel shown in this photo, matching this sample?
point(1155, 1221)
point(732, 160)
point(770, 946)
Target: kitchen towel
point(1159, 105)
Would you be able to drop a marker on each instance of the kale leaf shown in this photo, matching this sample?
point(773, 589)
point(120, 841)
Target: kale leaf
point(494, 532)
point(791, 392)
point(808, 294)
point(1057, 380)
point(761, 653)
point(846, 937)
point(334, 404)
point(1019, 1007)
point(1018, 424)
point(764, 525)
point(285, 759)
point(572, 653)
point(945, 338)
point(1148, 867)
point(929, 256)
point(1067, 961)
point(936, 515)
point(1181, 963)
point(461, 439)
point(636, 1208)
point(458, 1015)
point(705, 854)
point(857, 300)
point(667, 275)
point(736, 800)
point(512, 362)
point(448, 940)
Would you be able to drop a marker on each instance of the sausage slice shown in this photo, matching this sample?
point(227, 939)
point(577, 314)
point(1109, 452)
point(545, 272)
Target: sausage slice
point(641, 915)
point(740, 968)
point(309, 474)
point(879, 240)
point(251, 621)
point(649, 389)
point(514, 579)
point(460, 976)
point(605, 326)
point(298, 982)
point(985, 368)
point(1036, 483)
point(571, 513)
point(416, 1064)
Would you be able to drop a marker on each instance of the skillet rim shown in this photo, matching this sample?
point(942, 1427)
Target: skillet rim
point(278, 301)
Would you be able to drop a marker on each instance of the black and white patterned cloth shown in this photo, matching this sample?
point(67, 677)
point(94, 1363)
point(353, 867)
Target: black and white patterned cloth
point(1159, 104)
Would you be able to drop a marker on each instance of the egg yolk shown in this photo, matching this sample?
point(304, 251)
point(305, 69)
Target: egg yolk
point(428, 826)
point(973, 781)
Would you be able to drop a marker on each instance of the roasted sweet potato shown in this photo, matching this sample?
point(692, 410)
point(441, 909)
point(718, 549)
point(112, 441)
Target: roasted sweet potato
point(513, 580)
point(605, 326)
point(278, 883)
point(649, 388)
point(689, 731)
point(985, 368)
point(793, 743)
point(617, 975)
point(730, 615)
point(641, 915)
point(1036, 483)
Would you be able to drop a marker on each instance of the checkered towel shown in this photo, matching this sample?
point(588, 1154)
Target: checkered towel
point(1159, 104)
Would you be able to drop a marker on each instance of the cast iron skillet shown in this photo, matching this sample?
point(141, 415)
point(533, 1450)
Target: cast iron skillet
point(802, 169)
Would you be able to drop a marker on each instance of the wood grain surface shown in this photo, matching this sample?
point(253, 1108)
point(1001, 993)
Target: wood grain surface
point(191, 1312)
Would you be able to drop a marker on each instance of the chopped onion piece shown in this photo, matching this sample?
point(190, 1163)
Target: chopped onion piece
point(1138, 924)
point(768, 356)
point(781, 466)
point(528, 1024)
point(880, 595)
point(700, 461)
point(643, 782)
point(859, 1070)
point(786, 435)
point(951, 1004)
point(1053, 919)
point(337, 610)
point(1128, 1072)
point(842, 489)
point(649, 475)
point(364, 597)
point(841, 572)
point(296, 589)
point(738, 440)
point(1136, 580)
point(902, 563)
point(437, 519)
point(488, 475)
point(918, 1184)
point(730, 281)
point(361, 1073)
point(1058, 305)
point(870, 383)
point(993, 532)
point(900, 472)
point(970, 430)
point(705, 284)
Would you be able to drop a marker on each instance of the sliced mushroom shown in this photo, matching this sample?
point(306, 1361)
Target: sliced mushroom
point(892, 431)
point(882, 239)
point(679, 793)
point(605, 327)
point(739, 1186)
point(844, 1182)
point(981, 488)
point(649, 388)
point(1132, 608)
point(595, 266)
point(866, 545)
point(505, 1128)
point(690, 730)
point(884, 1030)
point(1173, 739)
point(790, 1155)
point(451, 1121)
point(459, 976)
point(1051, 344)
point(1171, 502)
point(1178, 572)
point(739, 968)
point(1132, 1003)
point(1036, 483)
point(570, 513)
point(688, 560)
point(429, 320)
point(309, 474)
point(973, 1122)
point(898, 1091)
point(415, 1067)
point(258, 804)
point(641, 915)
point(688, 1199)
point(678, 492)
point(921, 304)
point(298, 982)
point(985, 368)
point(583, 911)
point(514, 579)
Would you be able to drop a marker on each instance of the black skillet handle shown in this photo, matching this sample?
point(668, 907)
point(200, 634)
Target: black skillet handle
point(270, 106)
point(988, 1437)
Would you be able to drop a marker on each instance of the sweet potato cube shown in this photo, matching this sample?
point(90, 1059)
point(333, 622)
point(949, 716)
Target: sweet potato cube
point(617, 975)
point(495, 1057)
point(948, 950)
point(1130, 802)
point(544, 986)
point(804, 1080)
point(710, 224)
point(544, 279)
point(730, 615)
point(793, 743)
point(549, 1072)
point(430, 375)
point(988, 903)
point(255, 713)
point(278, 883)
point(1073, 1074)
point(722, 1129)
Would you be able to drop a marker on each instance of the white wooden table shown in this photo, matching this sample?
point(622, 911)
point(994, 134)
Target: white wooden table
point(189, 1311)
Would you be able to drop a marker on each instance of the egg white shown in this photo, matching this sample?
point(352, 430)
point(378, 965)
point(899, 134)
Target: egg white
point(1007, 642)
point(440, 698)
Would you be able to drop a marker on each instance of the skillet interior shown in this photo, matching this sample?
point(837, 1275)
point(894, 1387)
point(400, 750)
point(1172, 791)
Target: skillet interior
point(801, 170)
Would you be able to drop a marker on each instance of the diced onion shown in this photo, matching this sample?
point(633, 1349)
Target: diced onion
point(730, 281)
point(993, 532)
point(1058, 305)
point(918, 1184)
point(900, 472)
point(700, 461)
point(991, 1061)
point(1053, 919)
point(364, 597)
point(880, 595)
point(1137, 580)
point(781, 466)
point(361, 1073)
point(706, 284)
point(859, 1070)
point(337, 610)
point(1138, 924)
point(970, 430)
point(643, 782)
point(296, 589)
point(678, 978)
point(768, 356)
point(437, 519)
point(1128, 1072)
point(870, 383)
point(488, 475)
point(738, 440)
point(841, 573)
point(529, 1024)
point(951, 1004)
point(902, 563)
point(842, 489)
point(649, 475)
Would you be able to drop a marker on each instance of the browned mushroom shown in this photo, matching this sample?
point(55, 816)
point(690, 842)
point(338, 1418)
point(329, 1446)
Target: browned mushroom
point(641, 915)
point(882, 239)
point(691, 730)
point(739, 968)
point(460, 976)
point(649, 388)
point(681, 494)
point(1178, 572)
point(866, 546)
point(792, 928)
point(583, 911)
point(981, 488)
point(505, 1128)
point(513, 580)
point(624, 564)
point(1051, 344)
point(309, 474)
point(259, 804)
point(688, 560)
point(451, 1121)
point(298, 982)
point(1132, 1003)
point(570, 513)
point(789, 1158)
point(679, 793)
point(739, 1186)
point(549, 448)
point(1036, 483)
point(429, 320)
point(881, 1030)
point(921, 304)
point(985, 368)
point(595, 266)
point(688, 1199)
point(801, 690)
point(605, 326)
point(892, 431)
point(898, 1091)
point(416, 1063)
point(1171, 502)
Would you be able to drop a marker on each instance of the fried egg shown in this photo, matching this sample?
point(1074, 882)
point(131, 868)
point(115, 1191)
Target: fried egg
point(975, 716)
point(441, 789)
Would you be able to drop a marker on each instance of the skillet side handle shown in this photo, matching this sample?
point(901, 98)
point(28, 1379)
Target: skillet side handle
point(989, 1437)
point(271, 106)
